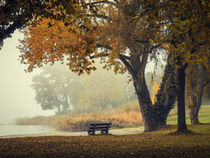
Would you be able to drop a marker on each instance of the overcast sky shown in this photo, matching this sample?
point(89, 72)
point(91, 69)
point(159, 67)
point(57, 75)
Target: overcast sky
point(17, 98)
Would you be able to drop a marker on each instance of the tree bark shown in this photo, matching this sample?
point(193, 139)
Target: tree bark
point(196, 98)
point(149, 117)
point(181, 99)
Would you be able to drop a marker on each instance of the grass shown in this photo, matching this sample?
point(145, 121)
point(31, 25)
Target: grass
point(152, 144)
point(204, 115)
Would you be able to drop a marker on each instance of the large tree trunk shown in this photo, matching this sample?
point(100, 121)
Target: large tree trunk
point(196, 97)
point(154, 116)
point(181, 99)
point(151, 121)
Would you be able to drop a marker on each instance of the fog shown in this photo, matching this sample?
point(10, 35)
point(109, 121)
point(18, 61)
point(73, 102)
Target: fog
point(17, 98)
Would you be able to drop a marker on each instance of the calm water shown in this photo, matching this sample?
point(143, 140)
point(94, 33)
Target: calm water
point(8, 130)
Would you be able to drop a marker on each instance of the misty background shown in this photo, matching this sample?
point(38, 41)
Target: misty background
point(17, 98)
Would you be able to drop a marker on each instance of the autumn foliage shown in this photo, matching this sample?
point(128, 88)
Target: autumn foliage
point(52, 41)
point(155, 88)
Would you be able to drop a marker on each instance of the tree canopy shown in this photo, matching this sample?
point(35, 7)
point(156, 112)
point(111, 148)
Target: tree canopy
point(18, 14)
point(112, 35)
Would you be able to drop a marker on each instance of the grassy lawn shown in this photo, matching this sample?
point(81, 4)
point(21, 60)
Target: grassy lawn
point(161, 143)
point(204, 115)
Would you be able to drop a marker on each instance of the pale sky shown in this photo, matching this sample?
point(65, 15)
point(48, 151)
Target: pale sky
point(17, 98)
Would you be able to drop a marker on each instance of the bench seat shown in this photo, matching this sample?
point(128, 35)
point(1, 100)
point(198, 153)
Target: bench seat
point(103, 127)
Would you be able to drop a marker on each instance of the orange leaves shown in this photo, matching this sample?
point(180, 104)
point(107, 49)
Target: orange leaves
point(155, 88)
point(51, 41)
point(164, 45)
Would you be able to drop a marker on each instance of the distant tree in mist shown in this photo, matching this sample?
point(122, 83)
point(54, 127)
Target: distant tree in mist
point(52, 89)
point(58, 88)
point(100, 90)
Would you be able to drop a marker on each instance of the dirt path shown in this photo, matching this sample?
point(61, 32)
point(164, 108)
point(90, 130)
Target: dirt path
point(60, 133)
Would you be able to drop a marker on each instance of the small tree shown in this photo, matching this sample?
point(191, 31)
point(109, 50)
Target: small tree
point(52, 89)
point(58, 88)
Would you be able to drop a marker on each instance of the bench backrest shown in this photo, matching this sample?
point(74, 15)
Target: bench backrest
point(100, 124)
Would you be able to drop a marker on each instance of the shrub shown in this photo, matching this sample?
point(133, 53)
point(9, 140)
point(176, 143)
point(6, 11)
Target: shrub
point(80, 122)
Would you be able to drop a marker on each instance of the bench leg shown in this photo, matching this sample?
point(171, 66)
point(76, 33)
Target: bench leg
point(104, 131)
point(92, 132)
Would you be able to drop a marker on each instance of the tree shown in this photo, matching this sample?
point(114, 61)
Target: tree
point(52, 89)
point(104, 91)
point(195, 87)
point(114, 38)
point(185, 31)
point(57, 87)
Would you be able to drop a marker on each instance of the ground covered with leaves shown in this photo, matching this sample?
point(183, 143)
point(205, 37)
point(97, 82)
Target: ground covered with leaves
point(163, 143)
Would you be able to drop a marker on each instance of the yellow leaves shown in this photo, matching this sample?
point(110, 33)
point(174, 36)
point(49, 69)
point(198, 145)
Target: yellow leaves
point(151, 41)
point(155, 88)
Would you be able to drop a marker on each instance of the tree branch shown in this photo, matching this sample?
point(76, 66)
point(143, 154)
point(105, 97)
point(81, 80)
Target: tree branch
point(154, 47)
point(99, 55)
point(100, 2)
point(98, 16)
point(142, 41)
point(125, 56)
point(128, 66)
point(104, 46)
point(151, 49)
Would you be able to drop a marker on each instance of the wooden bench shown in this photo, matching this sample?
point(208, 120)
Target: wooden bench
point(103, 127)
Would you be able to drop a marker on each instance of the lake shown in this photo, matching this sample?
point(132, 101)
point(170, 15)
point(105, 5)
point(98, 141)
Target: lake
point(9, 130)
